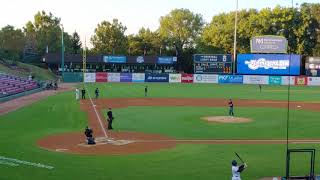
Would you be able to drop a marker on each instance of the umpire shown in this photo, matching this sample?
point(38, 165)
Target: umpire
point(110, 118)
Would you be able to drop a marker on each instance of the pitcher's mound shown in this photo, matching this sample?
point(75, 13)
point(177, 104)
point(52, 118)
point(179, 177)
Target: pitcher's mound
point(226, 119)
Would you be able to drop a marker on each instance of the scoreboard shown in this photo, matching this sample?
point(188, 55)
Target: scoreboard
point(212, 63)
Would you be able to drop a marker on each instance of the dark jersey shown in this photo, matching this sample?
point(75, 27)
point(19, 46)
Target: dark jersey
point(230, 104)
point(83, 91)
point(110, 116)
point(145, 89)
point(88, 132)
point(97, 91)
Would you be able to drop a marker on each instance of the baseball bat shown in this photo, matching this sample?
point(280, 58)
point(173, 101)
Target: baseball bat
point(239, 157)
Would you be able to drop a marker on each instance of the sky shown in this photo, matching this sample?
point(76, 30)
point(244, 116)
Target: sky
point(84, 15)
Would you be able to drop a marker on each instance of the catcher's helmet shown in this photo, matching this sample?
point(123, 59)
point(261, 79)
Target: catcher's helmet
point(234, 163)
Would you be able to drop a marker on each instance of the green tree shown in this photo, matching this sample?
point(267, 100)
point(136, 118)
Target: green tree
point(45, 31)
point(12, 43)
point(76, 43)
point(145, 40)
point(109, 38)
point(180, 29)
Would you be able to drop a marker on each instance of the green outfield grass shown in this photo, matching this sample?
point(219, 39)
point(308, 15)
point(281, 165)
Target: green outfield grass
point(20, 130)
point(128, 90)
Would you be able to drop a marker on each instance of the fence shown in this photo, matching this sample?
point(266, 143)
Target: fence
point(194, 78)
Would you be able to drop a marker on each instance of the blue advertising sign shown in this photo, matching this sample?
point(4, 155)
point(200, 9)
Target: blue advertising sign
point(212, 58)
point(157, 78)
point(125, 77)
point(275, 80)
point(167, 60)
point(114, 59)
point(268, 64)
point(230, 79)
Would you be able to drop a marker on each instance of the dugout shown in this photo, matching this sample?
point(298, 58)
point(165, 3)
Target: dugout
point(111, 63)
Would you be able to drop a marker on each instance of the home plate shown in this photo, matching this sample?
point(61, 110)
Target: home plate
point(298, 106)
point(111, 141)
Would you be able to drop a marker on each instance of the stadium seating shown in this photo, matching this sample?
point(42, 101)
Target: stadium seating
point(10, 85)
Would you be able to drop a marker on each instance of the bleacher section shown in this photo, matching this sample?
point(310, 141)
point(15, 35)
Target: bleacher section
point(10, 85)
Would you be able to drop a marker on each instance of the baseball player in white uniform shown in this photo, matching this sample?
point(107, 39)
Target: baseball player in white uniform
point(236, 170)
point(77, 94)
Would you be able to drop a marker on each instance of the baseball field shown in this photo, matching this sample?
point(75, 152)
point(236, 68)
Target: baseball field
point(165, 135)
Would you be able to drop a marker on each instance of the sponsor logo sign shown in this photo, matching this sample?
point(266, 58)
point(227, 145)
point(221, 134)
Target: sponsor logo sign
point(314, 81)
point(167, 60)
point(125, 77)
point(115, 59)
point(275, 80)
point(255, 79)
point(285, 80)
point(230, 79)
point(269, 44)
point(90, 77)
point(156, 77)
point(113, 77)
point(174, 78)
point(269, 64)
point(138, 77)
point(187, 78)
point(140, 59)
point(301, 81)
point(101, 77)
point(205, 78)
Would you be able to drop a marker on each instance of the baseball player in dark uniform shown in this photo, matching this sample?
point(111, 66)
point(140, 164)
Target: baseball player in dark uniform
point(110, 118)
point(97, 93)
point(236, 170)
point(260, 87)
point(89, 134)
point(83, 93)
point(146, 91)
point(231, 108)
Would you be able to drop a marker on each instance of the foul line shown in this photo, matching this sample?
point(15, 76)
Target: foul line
point(16, 162)
point(97, 114)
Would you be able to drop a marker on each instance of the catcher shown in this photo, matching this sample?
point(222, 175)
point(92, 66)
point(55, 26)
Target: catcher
point(89, 134)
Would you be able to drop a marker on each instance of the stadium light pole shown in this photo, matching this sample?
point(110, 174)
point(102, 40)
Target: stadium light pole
point(235, 37)
point(62, 51)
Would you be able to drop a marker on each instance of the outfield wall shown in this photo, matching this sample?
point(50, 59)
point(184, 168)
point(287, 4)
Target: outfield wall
point(201, 78)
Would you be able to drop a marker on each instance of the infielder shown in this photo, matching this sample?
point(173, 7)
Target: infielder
point(231, 108)
point(110, 118)
point(236, 170)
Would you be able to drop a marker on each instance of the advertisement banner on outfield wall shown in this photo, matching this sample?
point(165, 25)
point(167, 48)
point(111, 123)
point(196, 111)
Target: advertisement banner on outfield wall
point(125, 77)
point(269, 44)
point(101, 77)
point(230, 79)
point(156, 77)
point(113, 77)
point(174, 78)
point(268, 64)
point(255, 79)
point(275, 80)
point(90, 77)
point(313, 81)
point(205, 78)
point(301, 81)
point(187, 78)
point(138, 77)
point(286, 79)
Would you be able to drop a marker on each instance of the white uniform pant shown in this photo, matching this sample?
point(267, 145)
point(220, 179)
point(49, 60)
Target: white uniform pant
point(236, 178)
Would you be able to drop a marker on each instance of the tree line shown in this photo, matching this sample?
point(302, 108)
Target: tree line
point(181, 33)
